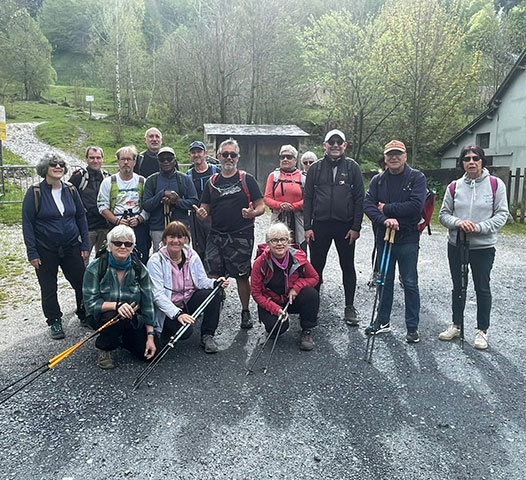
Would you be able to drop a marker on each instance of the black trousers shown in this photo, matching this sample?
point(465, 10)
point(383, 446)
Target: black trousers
point(210, 316)
point(72, 266)
point(324, 234)
point(307, 304)
point(125, 333)
point(200, 230)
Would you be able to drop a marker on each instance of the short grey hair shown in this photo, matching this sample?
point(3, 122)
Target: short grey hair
point(127, 149)
point(308, 155)
point(229, 141)
point(153, 128)
point(43, 163)
point(277, 230)
point(95, 149)
point(289, 148)
point(120, 232)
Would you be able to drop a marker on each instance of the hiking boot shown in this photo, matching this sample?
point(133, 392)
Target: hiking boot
point(306, 342)
point(412, 336)
point(209, 344)
point(55, 330)
point(481, 340)
point(351, 316)
point(450, 333)
point(105, 360)
point(383, 328)
point(246, 319)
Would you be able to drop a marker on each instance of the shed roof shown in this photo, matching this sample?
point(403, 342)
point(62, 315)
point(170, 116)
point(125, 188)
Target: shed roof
point(493, 104)
point(254, 130)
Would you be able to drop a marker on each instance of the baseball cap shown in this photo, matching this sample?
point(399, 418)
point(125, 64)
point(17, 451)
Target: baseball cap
point(197, 144)
point(334, 132)
point(394, 145)
point(166, 150)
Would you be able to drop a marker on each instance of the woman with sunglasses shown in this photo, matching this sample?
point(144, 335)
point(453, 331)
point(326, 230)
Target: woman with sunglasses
point(307, 159)
point(56, 234)
point(180, 285)
point(112, 283)
point(474, 209)
point(284, 194)
point(281, 274)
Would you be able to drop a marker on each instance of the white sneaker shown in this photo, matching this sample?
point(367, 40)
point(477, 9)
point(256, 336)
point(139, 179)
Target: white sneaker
point(450, 333)
point(481, 340)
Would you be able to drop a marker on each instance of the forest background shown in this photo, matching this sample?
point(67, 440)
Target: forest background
point(417, 70)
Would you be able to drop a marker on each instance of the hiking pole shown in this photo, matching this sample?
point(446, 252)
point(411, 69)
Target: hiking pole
point(53, 362)
point(463, 242)
point(174, 338)
point(277, 326)
point(166, 212)
point(380, 283)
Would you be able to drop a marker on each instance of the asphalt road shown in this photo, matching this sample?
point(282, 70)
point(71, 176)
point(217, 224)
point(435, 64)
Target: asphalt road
point(424, 411)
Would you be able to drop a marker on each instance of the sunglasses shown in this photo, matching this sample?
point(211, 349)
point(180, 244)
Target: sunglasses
point(475, 158)
point(229, 154)
point(118, 243)
point(57, 164)
point(286, 157)
point(275, 241)
point(165, 159)
point(332, 141)
point(308, 162)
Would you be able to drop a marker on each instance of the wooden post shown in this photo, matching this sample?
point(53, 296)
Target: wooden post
point(516, 193)
point(523, 199)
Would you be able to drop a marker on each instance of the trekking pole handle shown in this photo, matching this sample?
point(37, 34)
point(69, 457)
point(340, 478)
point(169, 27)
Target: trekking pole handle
point(392, 235)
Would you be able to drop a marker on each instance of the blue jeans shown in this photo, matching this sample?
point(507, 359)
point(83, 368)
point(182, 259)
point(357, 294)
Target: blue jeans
point(406, 255)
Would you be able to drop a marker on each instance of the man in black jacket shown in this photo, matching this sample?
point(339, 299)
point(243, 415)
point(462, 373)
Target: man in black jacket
point(88, 180)
point(147, 161)
point(333, 210)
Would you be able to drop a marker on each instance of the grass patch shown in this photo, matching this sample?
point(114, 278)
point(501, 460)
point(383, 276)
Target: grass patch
point(11, 213)
point(10, 266)
point(9, 158)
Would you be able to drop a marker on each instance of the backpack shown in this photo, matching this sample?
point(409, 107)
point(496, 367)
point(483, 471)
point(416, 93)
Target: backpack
point(180, 181)
point(84, 179)
point(242, 180)
point(213, 169)
point(492, 180)
point(114, 191)
point(277, 181)
point(37, 194)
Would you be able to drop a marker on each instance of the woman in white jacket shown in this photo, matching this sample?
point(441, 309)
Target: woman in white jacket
point(180, 285)
point(476, 205)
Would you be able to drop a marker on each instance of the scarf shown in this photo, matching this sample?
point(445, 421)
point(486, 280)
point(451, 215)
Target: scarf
point(283, 265)
point(119, 265)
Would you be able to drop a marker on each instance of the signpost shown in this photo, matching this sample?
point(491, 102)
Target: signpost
point(90, 99)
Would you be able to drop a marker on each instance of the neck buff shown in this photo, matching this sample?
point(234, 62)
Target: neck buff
point(283, 265)
point(119, 265)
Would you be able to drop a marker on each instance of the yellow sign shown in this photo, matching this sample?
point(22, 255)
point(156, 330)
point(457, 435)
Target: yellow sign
point(3, 135)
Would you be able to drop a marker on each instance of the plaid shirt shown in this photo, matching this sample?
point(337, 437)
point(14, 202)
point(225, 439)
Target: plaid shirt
point(108, 289)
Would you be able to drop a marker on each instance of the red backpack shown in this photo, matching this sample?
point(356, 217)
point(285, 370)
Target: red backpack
point(492, 180)
point(427, 211)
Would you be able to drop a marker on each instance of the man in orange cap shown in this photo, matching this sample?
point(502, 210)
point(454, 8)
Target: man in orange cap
point(395, 200)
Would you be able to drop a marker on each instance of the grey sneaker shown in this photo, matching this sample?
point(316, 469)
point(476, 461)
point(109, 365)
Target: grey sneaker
point(105, 360)
point(412, 336)
point(209, 344)
point(246, 319)
point(55, 330)
point(351, 316)
point(449, 333)
point(306, 342)
point(481, 340)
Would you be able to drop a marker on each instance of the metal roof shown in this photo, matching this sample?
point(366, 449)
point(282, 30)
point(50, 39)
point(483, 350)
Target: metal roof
point(254, 130)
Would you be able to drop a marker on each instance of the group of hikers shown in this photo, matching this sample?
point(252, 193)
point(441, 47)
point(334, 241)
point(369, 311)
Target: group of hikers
point(165, 239)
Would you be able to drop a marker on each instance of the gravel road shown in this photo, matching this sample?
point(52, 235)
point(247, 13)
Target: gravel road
point(424, 411)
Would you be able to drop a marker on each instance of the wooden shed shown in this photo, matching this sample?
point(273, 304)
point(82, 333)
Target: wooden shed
point(259, 144)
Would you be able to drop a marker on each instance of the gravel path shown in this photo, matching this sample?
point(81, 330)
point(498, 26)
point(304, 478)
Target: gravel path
point(425, 411)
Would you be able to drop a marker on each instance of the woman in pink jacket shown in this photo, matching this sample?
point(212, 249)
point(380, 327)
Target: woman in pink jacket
point(281, 274)
point(284, 194)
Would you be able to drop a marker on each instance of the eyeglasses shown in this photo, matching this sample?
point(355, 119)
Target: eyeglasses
point(119, 243)
point(308, 162)
point(332, 141)
point(286, 157)
point(165, 159)
point(475, 158)
point(229, 154)
point(57, 164)
point(126, 160)
point(275, 241)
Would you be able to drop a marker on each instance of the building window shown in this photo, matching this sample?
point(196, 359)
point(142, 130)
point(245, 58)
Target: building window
point(483, 140)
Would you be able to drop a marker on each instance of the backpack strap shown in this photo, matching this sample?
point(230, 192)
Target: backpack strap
point(243, 180)
point(37, 196)
point(114, 191)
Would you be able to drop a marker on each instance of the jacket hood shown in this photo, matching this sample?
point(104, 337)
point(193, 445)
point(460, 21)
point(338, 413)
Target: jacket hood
point(469, 181)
